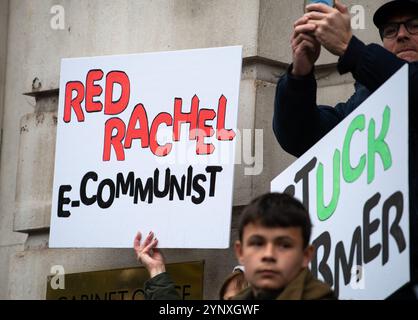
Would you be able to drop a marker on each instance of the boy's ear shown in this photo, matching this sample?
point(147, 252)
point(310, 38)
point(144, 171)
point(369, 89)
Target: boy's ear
point(308, 255)
point(238, 251)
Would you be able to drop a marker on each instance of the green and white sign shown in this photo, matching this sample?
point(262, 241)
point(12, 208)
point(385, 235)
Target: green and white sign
point(355, 184)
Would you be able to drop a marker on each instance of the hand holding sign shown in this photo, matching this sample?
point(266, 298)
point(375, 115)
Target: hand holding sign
point(149, 255)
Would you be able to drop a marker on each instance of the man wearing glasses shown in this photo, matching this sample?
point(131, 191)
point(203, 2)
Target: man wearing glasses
point(298, 121)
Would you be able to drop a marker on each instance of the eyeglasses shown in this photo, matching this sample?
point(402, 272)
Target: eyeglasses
point(390, 30)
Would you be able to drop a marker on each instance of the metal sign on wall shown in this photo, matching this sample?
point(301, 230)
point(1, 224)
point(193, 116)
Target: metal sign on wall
point(126, 284)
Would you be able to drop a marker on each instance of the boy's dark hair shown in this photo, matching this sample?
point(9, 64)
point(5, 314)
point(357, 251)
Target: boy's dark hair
point(277, 210)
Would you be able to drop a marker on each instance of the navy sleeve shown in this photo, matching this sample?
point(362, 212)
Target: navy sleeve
point(298, 122)
point(372, 65)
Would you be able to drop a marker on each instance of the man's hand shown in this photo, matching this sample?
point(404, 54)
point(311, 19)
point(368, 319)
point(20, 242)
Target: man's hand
point(149, 255)
point(305, 47)
point(333, 26)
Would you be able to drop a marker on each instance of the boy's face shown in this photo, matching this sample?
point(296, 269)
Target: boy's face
point(272, 257)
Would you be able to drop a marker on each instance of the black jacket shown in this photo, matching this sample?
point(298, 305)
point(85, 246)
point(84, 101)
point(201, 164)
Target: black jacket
point(299, 123)
point(161, 287)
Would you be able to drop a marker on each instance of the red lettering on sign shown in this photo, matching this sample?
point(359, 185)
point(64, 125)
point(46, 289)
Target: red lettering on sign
point(156, 148)
point(117, 107)
point(115, 141)
point(139, 116)
point(93, 90)
point(73, 103)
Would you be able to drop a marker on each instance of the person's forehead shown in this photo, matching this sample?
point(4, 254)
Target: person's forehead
point(256, 229)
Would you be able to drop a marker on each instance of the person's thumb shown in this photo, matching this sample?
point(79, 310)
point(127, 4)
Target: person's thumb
point(341, 7)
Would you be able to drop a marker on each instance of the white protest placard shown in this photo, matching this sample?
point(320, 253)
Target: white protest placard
point(355, 183)
point(146, 142)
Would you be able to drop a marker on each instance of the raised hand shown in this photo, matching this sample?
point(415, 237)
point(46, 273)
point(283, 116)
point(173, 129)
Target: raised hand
point(333, 26)
point(149, 255)
point(305, 48)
